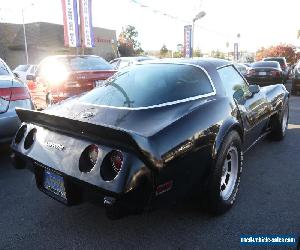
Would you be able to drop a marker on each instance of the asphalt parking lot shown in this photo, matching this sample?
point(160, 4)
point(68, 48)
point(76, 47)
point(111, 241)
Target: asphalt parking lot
point(268, 203)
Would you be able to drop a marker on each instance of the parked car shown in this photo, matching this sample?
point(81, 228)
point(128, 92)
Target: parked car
point(283, 65)
point(122, 62)
point(265, 73)
point(23, 70)
point(296, 80)
point(155, 132)
point(13, 93)
point(242, 68)
point(61, 77)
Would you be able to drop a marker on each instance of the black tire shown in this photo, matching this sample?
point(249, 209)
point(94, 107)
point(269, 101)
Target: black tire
point(218, 204)
point(279, 123)
point(17, 161)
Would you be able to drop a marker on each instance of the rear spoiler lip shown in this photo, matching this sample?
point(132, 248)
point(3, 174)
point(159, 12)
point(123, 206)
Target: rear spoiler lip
point(107, 135)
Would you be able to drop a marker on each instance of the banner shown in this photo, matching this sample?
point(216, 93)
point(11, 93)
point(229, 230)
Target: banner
point(71, 29)
point(188, 41)
point(236, 52)
point(86, 26)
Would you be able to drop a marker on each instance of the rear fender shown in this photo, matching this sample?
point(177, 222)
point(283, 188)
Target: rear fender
point(227, 126)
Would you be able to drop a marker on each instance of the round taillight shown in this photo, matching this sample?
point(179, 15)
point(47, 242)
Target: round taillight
point(116, 159)
point(88, 158)
point(111, 165)
point(20, 134)
point(30, 138)
point(93, 152)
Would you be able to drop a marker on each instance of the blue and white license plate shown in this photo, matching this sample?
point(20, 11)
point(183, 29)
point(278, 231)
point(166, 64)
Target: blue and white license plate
point(54, 183)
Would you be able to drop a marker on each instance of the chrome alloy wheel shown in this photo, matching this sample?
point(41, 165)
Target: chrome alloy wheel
point(285, 119)
point(229, 173)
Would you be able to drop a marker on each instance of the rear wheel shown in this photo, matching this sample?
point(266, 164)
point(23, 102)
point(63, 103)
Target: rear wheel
point(225, 176)
point(279, 123)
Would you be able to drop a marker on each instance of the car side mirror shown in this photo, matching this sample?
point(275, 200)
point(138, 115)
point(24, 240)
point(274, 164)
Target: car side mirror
point(30, 77)
point(254, 89)
point(16, 75)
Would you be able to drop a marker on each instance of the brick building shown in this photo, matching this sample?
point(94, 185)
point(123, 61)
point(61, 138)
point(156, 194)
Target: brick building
point(44, 39)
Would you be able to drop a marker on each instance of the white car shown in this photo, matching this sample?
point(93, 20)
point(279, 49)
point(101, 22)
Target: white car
point(23, 70)
point(122, 62)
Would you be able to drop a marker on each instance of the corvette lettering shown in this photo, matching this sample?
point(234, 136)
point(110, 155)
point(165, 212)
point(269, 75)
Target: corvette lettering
point(56, 146)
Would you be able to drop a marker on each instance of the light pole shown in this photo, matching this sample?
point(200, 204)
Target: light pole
point(24, 31)
point(197, 17)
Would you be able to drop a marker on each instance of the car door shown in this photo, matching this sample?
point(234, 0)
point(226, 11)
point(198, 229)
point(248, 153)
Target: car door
point(253, 107)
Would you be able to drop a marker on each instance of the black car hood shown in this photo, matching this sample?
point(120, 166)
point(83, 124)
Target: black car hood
point(145, 122)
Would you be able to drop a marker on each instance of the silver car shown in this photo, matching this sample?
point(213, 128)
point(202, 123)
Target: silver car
point(13, 93)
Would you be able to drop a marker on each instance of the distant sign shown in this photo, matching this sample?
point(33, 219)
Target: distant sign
point(87, 35)
point(71, 29)
point(236, 52)
point(188, 41)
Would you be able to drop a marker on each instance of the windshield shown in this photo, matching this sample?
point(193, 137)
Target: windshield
point(23, 68)
point(3, 69)
point(150, 84)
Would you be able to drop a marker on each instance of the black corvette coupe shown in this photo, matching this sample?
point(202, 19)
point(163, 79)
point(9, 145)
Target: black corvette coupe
point(154, 132)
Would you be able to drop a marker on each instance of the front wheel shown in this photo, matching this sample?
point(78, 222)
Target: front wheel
point(225, 176)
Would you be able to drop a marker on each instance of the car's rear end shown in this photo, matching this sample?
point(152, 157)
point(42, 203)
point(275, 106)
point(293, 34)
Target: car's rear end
point(13, 93)
point(108, 141)
point(265, 73)
point(283, 65)
point(61, 77)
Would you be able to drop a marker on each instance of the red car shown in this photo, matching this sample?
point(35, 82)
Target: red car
point(60, 77)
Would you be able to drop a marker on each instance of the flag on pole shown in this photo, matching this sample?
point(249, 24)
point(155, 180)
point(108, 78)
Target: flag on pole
point(86, 26)
point(188, 41)
point(71, 28)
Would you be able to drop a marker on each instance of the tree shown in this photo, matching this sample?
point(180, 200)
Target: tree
point(287, 51)
point(197, 53)
point(217, 54)
point(164, 51)
point(128, 45)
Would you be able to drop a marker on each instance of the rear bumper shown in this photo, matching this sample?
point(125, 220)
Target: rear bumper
point(9, 121)
point(9, 124)
point(263, 81)
point(133, 201)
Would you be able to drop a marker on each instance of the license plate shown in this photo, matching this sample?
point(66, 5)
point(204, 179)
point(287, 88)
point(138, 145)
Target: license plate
point(54, 183)
point(262, 73)
point(98, 83)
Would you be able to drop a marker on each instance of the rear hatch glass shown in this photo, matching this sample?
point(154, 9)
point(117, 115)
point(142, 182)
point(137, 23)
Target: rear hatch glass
point(150, 84)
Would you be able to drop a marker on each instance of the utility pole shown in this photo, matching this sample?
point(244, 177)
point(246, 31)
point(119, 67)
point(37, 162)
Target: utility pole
point(197, 17)
point(24, 33)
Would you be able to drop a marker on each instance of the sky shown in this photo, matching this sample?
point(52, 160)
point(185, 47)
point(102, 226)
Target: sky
point(259, 22)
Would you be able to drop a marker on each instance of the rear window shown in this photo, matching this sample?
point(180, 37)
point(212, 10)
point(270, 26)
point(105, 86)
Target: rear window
point(76, 63)
point(23, 68)
point(3, 69)
point(266, 64)
point(280, 60)
point(150, 84)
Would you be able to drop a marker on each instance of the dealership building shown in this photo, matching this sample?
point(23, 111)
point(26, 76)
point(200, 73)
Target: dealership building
point(44, 39)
